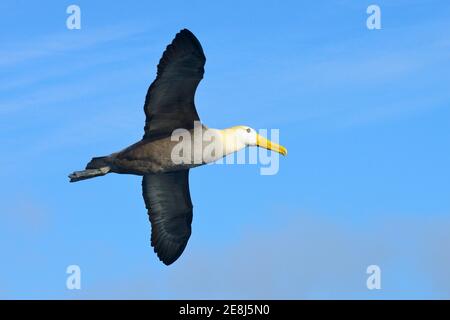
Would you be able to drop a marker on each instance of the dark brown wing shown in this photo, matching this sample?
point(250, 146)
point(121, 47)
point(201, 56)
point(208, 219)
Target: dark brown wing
point(169, 103)
point(169, 206)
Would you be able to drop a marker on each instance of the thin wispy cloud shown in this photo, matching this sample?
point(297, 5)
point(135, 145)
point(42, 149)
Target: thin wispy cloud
point(14, 53)
point(66, 91)
point(363, 70)
point(309, 256)
point(86, 60)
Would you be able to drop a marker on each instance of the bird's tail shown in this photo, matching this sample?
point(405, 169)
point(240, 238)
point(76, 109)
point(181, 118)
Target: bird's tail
point(96, 167)
point(98, 162)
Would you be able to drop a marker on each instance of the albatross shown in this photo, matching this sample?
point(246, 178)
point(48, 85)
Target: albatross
point(169, 107)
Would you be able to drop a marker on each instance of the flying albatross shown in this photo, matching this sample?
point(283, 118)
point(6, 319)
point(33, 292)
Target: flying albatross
point(169, 106)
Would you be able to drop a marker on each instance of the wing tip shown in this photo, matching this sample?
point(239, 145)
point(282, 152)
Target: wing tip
point(184, 38)
point(167, 251)
point(189, 34)
point(186, 30)
point(167, 262)
point(166, 257)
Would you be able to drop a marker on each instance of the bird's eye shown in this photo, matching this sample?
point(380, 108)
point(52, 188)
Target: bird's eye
point(248, 130)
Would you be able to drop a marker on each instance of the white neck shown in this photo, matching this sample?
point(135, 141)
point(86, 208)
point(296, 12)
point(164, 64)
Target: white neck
point(228, 142)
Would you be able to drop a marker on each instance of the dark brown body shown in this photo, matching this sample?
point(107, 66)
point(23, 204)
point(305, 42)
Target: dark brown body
point(147, 156)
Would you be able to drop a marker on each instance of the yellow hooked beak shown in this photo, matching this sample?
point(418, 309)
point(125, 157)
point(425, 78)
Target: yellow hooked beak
point(269, 145)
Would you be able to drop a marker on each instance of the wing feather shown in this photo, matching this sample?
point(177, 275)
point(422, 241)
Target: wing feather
point(169, 103)
point(169, 206)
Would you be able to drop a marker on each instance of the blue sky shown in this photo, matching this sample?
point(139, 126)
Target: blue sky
point(364, 114)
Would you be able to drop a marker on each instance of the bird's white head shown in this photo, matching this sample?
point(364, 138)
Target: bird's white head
point(247, 136)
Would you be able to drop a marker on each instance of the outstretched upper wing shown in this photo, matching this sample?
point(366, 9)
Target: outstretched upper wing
point(169, 206)
point(169, 103)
